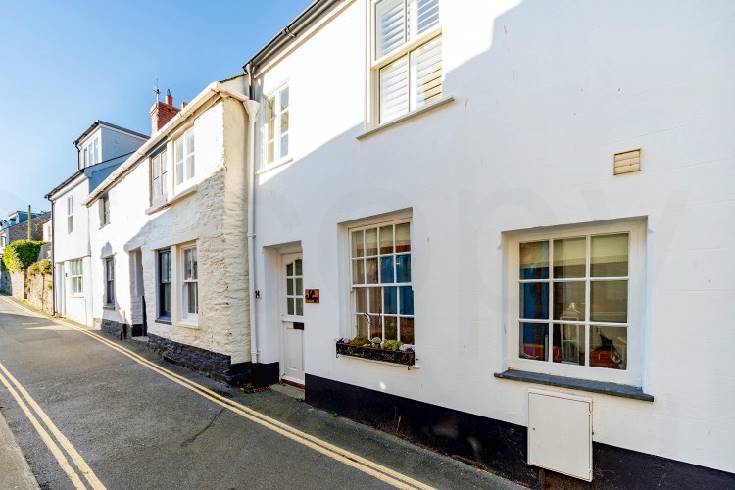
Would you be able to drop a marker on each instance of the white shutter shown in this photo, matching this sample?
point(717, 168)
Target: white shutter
point(390, 26)
point(394, 90)
point(426, 74)
point(425, 14)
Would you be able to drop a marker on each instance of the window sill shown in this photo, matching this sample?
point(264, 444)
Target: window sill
point(406, 117)
point(604, 387)
point(108, 307)
point(272, 166)
point(383, 356)
point(187, 324)
point(166, 321)
point(177, 197)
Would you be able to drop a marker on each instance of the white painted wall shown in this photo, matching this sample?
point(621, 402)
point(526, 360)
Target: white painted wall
point(545, 93)
point(213, 216)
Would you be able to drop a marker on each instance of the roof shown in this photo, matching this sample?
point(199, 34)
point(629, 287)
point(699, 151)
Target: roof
point(314, 12)
point(76, 174)
point(35, 217)
point(94, 125)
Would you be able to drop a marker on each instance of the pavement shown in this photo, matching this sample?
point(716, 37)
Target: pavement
point(14, 471)
point(121, 417)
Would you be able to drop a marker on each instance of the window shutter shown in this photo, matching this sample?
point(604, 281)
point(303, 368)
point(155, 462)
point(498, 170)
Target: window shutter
point(426, 74)
point(390, 21)
point(394, 96)
point(427, 16)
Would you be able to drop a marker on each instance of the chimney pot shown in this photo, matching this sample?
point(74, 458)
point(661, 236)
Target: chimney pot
point(169, 98)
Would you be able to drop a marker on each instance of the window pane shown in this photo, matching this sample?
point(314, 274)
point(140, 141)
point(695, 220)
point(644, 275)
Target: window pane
point(570, 257)
point(386, 240)
point(403, 237)
point(394, 93)
point(360, 300)
point(609, 301)
point(426, 74)
point(376, 329)
point(375, 300)
point(358, 271)
point(289, 286)
point(299, 287)
point(284, 145)
point(358, 247)
point(390, 20)
point(427, 15)
point(534, 300)
point(569, 301)
point(290, 306)
point(284, 99)
point(608, 347)
point(299, 307)
point(391, 327)
point(406, 298)
point(569, 344)
point(390, 300)
point(534, 341)
point(609, 255)
point(386, 269)
point(189, 141)
point(371, 241)
point(407, 336)
point(289, 269)
point(298, 271)
point(191, 297)
point(371, 273)
point(403, 268)
point(534, 260)
point(190, 166)
point(179, 155)
point(362, 326)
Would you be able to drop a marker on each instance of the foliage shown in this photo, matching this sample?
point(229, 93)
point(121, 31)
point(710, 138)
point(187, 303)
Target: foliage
point(358, 341)
point(20, 254)
point(393, 345)
point(40, 267)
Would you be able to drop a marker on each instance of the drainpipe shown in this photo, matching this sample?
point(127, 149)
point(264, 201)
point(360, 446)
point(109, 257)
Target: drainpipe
point(53, 262)
point(251, 107)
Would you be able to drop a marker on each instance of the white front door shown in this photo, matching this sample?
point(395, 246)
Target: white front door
point(292, 319)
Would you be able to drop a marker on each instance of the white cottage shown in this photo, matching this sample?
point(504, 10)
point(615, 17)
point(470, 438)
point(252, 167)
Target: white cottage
point(169, 251)
point(529, 206)
point(101, 148)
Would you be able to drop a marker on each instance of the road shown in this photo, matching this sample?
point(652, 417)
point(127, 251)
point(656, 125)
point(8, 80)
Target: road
point(91, 412)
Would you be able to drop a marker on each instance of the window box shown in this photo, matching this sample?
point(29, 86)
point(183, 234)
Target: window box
point(404, 358)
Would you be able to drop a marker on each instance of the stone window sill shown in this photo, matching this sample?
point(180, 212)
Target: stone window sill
point(108, 307)
point(406, 117)
point(180, 195)
point(166, 321)
point(606, 388)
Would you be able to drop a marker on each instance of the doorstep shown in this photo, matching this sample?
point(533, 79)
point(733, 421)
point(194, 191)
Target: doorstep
point(141, 338)
point(289, 390)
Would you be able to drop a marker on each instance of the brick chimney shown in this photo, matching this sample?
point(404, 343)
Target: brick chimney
point(162, 112)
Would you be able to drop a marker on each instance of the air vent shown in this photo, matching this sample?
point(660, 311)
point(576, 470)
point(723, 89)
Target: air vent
point(626, 162)
point(560, 433)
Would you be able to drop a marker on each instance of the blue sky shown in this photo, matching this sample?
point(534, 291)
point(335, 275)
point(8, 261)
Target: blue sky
point(64, 65)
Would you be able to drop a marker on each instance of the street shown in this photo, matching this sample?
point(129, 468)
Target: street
point(121, 419)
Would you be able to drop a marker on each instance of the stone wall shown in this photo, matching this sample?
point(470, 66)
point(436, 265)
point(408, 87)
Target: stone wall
point(17, 285)
point(40, 292)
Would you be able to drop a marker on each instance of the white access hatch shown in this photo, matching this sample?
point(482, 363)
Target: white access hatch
point(560, 433)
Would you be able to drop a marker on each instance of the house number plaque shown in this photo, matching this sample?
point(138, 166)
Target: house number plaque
point(311, 295)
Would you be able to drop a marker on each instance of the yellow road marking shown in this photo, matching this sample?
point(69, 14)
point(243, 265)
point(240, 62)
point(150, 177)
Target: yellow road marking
point(339, 454)
point(78, 461)
point(55, 450)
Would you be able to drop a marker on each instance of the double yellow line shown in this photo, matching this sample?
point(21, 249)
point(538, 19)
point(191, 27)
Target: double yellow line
point(336, 453)
point(46, 428)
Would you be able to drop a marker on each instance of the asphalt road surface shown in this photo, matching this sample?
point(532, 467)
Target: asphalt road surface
point(109, 414)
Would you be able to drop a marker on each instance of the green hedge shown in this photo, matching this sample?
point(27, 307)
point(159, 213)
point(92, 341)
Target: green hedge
point(20, 254)
point(40, 267)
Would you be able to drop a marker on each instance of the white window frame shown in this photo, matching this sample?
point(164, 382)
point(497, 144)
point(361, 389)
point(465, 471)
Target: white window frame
point(160, 282)
point(159, 177)
point(632, 375)
point(90, 149)
point(74, 275)
point(104, 209)
point(376, 64)
point(184, 160)
point(185, 316)
point(70, 215)
point(366, 225)
point(109, 278)
point(278, 112)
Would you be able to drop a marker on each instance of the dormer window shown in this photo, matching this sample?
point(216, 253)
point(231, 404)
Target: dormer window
point(91, 152)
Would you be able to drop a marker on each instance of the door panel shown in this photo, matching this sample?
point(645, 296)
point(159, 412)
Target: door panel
point(292, 315)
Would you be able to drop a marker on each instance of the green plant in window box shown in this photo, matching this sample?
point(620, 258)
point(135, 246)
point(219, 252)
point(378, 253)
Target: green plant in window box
point(393, 345)
point(375, 341)
point(359, 341)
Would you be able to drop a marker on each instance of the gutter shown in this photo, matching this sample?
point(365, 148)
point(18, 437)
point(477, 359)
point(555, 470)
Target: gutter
point(303, 21)
point(213, 89)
